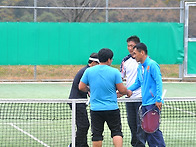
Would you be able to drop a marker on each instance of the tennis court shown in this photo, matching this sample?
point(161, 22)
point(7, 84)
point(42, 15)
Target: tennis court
point(38, 36)
point(55, 90)
point(37, 114)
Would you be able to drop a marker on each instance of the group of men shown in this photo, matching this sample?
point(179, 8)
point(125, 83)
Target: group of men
point(104, 84)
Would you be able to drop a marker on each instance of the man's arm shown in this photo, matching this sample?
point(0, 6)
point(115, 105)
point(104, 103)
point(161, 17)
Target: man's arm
point(137, 83)
point(123, 90)
point(83, 87)
point(156, 75)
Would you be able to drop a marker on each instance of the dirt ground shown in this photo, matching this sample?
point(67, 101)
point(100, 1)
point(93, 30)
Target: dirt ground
point(63, 71)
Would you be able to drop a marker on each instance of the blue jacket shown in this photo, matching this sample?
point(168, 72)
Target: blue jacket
point(150, 81)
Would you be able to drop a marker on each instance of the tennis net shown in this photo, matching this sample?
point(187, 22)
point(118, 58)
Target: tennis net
point(49, 123)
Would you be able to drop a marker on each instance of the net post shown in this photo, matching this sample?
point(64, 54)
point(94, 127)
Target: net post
point(73, 122)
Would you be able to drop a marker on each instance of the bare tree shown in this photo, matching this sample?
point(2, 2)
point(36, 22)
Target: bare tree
point(76, 15)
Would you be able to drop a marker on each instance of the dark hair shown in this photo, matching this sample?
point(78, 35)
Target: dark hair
point(93, 55)
point(134, 39)
point(141, 46)
point(105, 54)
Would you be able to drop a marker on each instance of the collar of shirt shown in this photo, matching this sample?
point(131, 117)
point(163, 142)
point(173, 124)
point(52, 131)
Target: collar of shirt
point(146, 62)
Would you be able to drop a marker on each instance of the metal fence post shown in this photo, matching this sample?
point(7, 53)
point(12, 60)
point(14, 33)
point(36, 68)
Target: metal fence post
point(181, 21)
point(35, 20)
point(106, 11)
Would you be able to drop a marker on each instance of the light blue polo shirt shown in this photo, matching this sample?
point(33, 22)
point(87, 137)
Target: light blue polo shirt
point(102, 80)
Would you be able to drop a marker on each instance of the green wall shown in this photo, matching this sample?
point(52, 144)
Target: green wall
point(191, 68)
point(71, 43)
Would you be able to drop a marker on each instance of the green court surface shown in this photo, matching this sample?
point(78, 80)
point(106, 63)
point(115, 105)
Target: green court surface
point(61, 90)
point(34, 90)
point(49, 124)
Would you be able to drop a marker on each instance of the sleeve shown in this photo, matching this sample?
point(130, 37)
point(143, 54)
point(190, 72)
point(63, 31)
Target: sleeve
point(122, 69)
point(137, 83)
point(78, 76)
point(84, 78)
point(156, 75)
point(118, 77)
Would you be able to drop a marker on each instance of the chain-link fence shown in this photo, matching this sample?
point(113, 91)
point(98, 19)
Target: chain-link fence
point(83, 11)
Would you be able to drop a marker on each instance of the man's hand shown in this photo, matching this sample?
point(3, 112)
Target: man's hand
point(119, 94)
point(83, 87)
point(129, 93)
point(89, 94)
point(159, 105)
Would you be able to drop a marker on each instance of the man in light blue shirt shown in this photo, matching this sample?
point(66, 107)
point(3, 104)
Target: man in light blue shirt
point(150, 80)
point(103, 81)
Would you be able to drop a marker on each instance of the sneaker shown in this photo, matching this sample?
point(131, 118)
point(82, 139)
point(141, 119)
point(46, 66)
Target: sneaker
point(69, 145)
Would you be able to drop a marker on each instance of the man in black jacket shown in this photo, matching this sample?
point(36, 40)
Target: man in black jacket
point(82, 121)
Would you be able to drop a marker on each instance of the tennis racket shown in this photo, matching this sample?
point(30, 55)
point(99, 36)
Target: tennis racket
point(150, 120)
point(88, 97)
point(88, 102)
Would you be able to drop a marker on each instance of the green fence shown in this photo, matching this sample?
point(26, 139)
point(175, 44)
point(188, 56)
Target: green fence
point(191, 58)
point(71, 43)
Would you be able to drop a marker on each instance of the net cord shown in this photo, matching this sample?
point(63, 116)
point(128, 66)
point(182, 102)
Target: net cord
point(136, 99)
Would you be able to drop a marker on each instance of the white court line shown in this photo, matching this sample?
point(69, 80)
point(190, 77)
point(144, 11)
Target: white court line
point(176, 121)
point(188, 112)
point(35, 83)
point(30, 123)
point(40, 122)
point(41, 142)
point(179, 82)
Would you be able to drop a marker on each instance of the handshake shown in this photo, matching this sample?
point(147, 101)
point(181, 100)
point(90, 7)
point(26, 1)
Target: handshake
point(128, 93)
